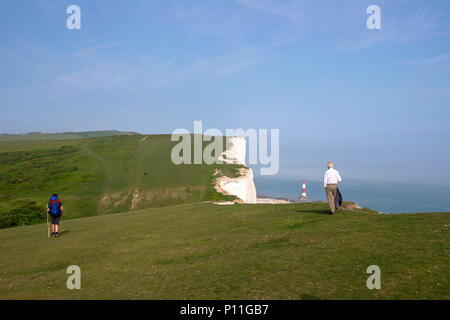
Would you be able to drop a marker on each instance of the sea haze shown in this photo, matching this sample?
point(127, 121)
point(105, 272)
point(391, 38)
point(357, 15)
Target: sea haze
point(384, 197)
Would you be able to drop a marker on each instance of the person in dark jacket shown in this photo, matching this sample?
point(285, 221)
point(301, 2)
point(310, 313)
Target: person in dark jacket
point(338, 199)
point(55, 209)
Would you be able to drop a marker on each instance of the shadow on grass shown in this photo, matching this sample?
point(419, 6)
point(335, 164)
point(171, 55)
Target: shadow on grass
point(60, 233)
point(318, 211)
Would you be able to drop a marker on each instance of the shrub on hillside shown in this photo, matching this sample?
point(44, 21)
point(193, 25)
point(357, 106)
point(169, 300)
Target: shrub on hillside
point(27, 213)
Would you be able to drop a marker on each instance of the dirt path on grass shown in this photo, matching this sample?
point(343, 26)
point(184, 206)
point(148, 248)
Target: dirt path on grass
point(140, 172)
point(104, 163)
point(133, 188)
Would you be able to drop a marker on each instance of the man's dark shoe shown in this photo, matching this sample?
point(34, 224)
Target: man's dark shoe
point(56, 234)
point(331, 212)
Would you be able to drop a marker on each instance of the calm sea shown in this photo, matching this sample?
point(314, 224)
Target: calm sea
point(385, 197)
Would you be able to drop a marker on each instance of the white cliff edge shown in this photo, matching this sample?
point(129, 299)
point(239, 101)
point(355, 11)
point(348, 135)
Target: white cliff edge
point(243, 186)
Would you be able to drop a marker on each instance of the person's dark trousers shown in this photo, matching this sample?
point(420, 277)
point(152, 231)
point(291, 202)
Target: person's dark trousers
point(331, 190)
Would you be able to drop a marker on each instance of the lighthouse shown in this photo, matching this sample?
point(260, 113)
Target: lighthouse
point(303, 196)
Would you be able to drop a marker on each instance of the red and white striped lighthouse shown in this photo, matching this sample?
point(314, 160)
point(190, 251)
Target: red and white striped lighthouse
point(303, 196)
point(303, 189)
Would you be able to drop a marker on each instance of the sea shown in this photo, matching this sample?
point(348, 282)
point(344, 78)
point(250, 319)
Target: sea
point(385, 197)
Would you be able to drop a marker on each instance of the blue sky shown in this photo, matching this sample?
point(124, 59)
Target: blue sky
point(376, 102)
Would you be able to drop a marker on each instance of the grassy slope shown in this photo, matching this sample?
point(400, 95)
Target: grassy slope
point(201, 250)
point(101, 175)
point(60, 136)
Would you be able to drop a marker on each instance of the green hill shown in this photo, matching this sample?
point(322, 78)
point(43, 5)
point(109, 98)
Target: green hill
point(39, 136)
point(96, 176)
point(207, 251)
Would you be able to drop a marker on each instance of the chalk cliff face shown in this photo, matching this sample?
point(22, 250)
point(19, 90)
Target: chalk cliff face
point(236, 151)
point(243, 186)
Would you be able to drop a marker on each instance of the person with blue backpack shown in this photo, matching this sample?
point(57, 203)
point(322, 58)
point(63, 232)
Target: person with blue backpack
point(55, 210)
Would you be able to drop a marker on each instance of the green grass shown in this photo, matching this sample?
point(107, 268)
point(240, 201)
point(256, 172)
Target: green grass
point(61, 136)
point(155, 237)
point(100, 175)
point(206, 251)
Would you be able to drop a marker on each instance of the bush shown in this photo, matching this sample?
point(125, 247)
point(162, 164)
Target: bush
point(28, 213)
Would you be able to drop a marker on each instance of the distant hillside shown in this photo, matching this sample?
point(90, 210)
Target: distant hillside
point(97, 176)
point(62, 136)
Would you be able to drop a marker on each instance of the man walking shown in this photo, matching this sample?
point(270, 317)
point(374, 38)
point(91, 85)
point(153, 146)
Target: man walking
point(55, 209)
point(331, 179)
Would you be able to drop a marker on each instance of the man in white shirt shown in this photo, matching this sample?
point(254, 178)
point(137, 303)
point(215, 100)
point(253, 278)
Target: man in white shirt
point(331, 179)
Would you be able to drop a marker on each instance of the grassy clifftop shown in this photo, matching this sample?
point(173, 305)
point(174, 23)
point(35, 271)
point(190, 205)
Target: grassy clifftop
point(206, 251)
point(162, 241)
point(99, 175)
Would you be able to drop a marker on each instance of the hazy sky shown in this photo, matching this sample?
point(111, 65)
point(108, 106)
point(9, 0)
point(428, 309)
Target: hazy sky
point(377, 102)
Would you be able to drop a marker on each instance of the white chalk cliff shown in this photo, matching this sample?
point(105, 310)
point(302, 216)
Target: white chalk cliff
point(243, 186)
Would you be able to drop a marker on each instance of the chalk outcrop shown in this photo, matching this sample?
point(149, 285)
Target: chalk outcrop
point(243, 186)
point(274, 201)
point(235, 152)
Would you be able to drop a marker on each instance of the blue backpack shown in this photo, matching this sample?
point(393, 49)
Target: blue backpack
point(54, 205)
